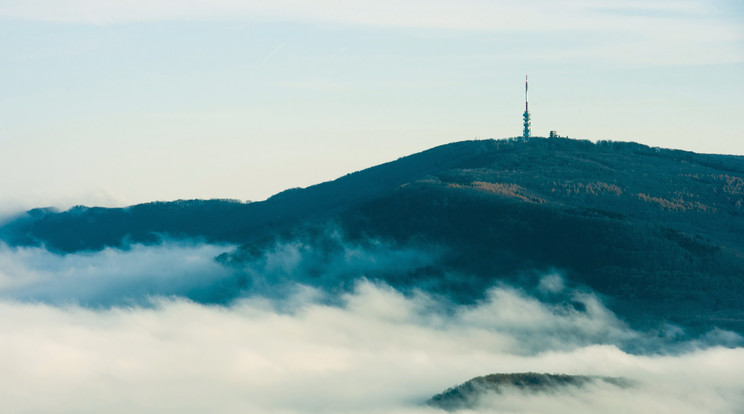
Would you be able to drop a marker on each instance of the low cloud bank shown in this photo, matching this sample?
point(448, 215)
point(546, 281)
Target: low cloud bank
point(205, 273)
point(139, 331)
point(116, 277)
point(378, 351)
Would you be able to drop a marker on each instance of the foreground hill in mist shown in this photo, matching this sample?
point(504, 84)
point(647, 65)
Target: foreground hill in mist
point(658, 233)
point(471, 394)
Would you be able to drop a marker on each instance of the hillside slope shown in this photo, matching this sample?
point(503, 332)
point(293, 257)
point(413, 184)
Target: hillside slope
point(85, 228)
point(658, 233)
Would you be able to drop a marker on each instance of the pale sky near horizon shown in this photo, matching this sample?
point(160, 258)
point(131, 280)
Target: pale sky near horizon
point(113, 103)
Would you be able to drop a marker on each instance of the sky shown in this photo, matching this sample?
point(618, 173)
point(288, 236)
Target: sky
point(114, 103)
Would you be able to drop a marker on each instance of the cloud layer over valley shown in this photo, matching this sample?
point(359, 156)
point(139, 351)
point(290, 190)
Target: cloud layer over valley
point(371, 350)
point(112, 276)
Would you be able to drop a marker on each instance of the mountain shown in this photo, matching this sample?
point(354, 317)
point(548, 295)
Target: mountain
point(468, 394)
point(84, 228)
point(657, 233)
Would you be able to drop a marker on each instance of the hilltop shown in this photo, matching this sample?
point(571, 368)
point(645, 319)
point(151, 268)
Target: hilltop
point(658, 233)
point(470, 394)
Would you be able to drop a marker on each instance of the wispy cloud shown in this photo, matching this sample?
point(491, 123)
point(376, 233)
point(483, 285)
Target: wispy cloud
point(657, 31)
point(470, 14)
point(116, 277)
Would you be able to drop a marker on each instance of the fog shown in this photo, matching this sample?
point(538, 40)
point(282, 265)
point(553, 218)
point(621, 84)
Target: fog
point(113, 276)
point(64, 349)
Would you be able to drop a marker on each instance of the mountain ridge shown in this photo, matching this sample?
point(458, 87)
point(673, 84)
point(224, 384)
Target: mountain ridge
point(325, 196)
point(658, 233)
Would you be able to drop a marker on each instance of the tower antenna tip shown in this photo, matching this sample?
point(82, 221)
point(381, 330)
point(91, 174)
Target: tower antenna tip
point(526, 131)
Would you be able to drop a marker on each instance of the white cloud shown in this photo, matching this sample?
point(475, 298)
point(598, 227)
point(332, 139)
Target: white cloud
point(112, 276)
point(378, 352)
point(647, 32)
point(373, 350)
point(532, 15)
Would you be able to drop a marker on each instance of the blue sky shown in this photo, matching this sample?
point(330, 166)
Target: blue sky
point(112, 103)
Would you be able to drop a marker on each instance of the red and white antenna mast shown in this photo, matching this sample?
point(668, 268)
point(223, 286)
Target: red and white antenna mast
point(526, 130)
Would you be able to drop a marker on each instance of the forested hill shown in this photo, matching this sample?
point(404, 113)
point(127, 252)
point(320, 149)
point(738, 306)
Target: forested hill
point(93, 228)
point(469, 394)
point(657, 232)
